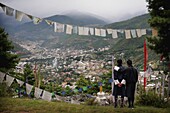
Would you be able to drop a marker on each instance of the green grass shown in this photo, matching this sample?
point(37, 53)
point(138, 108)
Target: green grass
point(24, 105)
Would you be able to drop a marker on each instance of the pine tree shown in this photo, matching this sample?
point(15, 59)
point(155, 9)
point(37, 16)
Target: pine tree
point(8, 60)
point(160, 20)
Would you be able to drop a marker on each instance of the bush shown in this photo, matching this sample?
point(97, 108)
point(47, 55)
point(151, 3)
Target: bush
point(3, 90)
point(151, 99)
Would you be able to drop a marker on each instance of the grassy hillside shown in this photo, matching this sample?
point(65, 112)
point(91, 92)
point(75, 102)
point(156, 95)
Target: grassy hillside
point(11, 105)
point(134, 23)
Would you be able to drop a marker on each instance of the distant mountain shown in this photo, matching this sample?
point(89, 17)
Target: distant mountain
point(44, 31)
point(133, 23)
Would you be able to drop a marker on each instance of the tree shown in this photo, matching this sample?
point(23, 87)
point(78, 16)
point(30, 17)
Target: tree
point(160, 13)
point(8, 60)
point(160, 20)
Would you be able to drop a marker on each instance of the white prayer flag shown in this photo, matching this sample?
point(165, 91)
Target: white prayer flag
point(2, 75)
point(97, 32)
point(127, 34)
point(109, 31)
point(91, 31)
point(3, 7)
point(28, 88)
point(138, 32)
point(69, 29)
point(19, 15)
point(9, 11)
point(133, 32)
point(120, 31)
point(103, 32)
point(58, 27)
point(37, 20)
point(49, 22)
point(9, 80)
point(46, 95)
point(81, 30)
point(75, 29)
point(37, 92)
point(86, 31)
point(20, 82)
point(114, 34)
point(143, 31)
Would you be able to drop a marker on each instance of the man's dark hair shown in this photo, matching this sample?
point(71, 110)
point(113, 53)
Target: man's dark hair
point(129, 62)
point(119, 62)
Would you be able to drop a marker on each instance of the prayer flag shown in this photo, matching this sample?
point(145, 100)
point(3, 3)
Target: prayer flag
point(28, 88)
point(91, 31)
point(2, 75)
point(9, 80)
point(114, 34)
point(81, 30)
point(20, 82)
point(69, 29)
point(127, 34)
point(86, 31)
point(37, 92)
point(9, 11)
point(103, 32)
point(97, 32)
point(46, 95)
point(19, 15)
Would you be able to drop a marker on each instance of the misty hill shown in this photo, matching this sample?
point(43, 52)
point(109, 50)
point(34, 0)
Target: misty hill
point(133, 23)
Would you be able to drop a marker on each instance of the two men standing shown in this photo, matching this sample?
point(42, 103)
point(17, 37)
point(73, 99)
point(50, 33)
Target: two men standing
point(125, 80)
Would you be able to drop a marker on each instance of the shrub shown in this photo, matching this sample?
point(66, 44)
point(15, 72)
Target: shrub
point(3, 90)
point(151, 99)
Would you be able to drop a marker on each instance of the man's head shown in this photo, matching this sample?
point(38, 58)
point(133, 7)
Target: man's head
point(119, 62)
point(129, 63)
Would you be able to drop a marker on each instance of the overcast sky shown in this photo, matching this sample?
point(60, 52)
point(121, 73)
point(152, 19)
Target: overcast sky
point(109, 9)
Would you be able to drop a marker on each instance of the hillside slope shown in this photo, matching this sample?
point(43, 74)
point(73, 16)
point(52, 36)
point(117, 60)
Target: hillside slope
point(133, 23)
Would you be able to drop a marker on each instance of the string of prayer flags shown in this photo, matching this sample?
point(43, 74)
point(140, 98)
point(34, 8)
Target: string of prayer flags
point(69, 29)
point(9, 80)
point(19, 15)
point(127, 34)
point(97, 32)
point(28, 88)
point(2, 75)
point(9, 11)
point(37, 92)
point(46, 95)
point(114, 34)
point(133, 32)
point(103, 32)
point(20, 82)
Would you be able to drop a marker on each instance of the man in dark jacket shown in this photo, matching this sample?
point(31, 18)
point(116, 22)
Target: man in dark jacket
point(119, 82)
point(131, 80)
